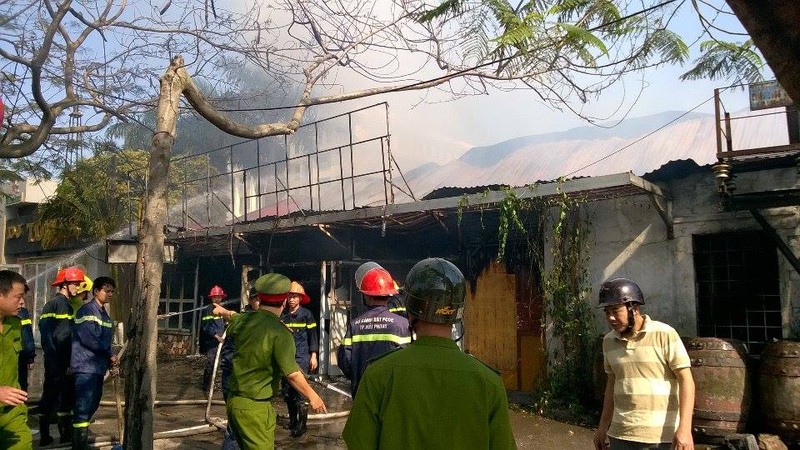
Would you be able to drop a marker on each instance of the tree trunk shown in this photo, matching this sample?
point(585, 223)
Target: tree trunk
point(141, 369)
point(773, 26)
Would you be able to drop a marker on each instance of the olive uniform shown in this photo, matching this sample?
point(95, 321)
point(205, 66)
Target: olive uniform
point(14, 431)
point(419, 379)
point(263, 353)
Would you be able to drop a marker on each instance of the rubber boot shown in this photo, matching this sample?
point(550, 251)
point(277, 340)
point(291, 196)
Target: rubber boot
point(44, 431)
point(300, 429)
point(80, 438)
point(292, 406)
point(65, 429)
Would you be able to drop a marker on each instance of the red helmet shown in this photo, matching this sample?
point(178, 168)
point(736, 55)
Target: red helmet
point(217, 291)
point(377, 283)
point(72, 274)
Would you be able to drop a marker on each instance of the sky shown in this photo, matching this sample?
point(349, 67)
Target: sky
point(426, 126)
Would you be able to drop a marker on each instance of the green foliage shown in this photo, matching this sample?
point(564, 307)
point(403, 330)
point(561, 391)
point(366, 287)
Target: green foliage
point(722, 60)
point(571, 316)
point(566, 311)
point(99, 195)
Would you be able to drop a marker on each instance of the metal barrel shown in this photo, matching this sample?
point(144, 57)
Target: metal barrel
point(779, 388)
point(722, 385)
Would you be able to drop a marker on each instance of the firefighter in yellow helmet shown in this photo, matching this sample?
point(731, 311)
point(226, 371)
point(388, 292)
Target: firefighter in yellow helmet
point(264, 351)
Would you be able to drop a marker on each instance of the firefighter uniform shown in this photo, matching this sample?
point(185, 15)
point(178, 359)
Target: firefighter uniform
point(14, 431)
point(473, 392)
point(396, 305)
point(210, 327)
point(369, 335)
point(28, 353)
point(264, 352)
point(304, 329)
point(91, 357)
point(55, 329)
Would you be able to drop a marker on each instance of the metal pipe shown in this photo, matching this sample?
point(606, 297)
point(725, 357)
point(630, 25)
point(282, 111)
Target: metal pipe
point(169, 402)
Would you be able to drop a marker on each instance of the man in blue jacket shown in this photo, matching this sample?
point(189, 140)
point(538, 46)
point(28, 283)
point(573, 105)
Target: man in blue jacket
point(55, 328)
point(211, 329)
point(376, 331)
point(91, 357)
point(28, 353)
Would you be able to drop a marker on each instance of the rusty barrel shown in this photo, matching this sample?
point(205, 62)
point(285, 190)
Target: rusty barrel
point(722, 385)
point(779, 388)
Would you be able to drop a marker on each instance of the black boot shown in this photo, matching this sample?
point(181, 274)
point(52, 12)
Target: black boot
point(300, 429)
point(292, 406)
point(65, 429)
point(44, 431)
point(80, 438)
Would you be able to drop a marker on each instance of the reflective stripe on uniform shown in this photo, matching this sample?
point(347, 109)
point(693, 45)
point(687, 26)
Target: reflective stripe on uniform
point(99, 321)
point(80, 425)
point(25, 322)
point(399, 308)
point(379, 338)
point(211, 317)
point(56, 316)
point(301, 325)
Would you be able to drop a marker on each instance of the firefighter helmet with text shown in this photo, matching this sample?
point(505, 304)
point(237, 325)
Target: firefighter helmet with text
point(435, 291)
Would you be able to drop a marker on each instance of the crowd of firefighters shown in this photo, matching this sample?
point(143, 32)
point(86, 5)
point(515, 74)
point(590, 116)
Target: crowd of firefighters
point(76, 338)
point(270, 346)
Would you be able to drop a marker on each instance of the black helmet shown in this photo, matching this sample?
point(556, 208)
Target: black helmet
point(435, 291)
point(620, 290)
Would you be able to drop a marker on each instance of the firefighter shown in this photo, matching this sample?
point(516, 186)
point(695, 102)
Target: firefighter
point(55, 329)
point(408, 397)
point(211, 329)
point(14, 431)
point(28, 353)
point(263, 353)
point(303, 326)
point(377, 330)
point(92, 356)
point(81, 294)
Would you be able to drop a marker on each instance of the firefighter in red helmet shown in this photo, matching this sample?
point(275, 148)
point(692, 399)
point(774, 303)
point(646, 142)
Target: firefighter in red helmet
point(211, 329)
point(377, 330)
point(407, 397)
point(55, 328)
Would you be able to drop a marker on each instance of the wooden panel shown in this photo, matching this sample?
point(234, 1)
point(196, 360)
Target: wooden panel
point(532, 361)
point(491, 325)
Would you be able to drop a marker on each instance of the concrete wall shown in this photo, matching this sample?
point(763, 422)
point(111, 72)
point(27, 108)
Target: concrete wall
point(629, 239)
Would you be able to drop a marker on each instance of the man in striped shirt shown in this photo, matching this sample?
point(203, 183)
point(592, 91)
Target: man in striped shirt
point(649, 394)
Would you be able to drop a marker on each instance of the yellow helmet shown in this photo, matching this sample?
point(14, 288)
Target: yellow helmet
point(85, 286)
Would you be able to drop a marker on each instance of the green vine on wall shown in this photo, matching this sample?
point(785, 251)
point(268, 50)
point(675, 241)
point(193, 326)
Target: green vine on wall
point(561, 221)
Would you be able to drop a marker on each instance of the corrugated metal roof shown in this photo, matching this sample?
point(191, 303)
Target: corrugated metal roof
point(689, 140)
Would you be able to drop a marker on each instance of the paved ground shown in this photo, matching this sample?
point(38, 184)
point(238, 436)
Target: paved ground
point(179, 380)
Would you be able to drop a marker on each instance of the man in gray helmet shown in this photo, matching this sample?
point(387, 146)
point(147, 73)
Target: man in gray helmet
point(430, 395)
point(649, 394)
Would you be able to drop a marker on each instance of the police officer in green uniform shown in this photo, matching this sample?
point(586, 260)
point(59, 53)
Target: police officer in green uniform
point(14, 431)
point(264, 352)
point(430, 395)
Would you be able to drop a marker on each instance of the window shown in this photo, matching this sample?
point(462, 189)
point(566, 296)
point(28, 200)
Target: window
point(737, 288)
point(177, 299)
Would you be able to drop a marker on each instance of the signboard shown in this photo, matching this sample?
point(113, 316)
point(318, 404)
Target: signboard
point(125, 252)
point(768, 94)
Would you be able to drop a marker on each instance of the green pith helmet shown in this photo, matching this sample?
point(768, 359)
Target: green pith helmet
point(435, 291)
point(272, 288)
